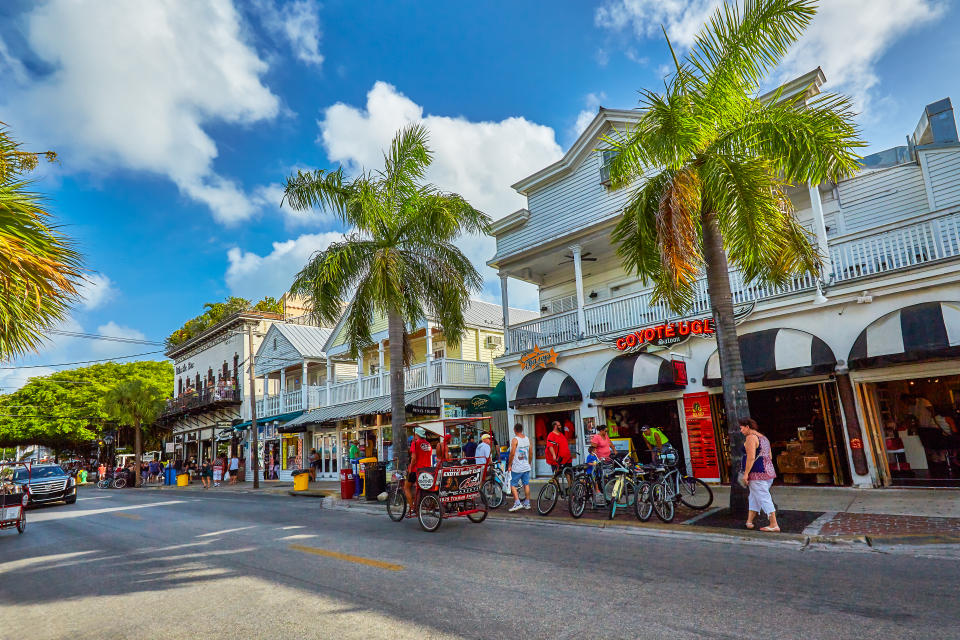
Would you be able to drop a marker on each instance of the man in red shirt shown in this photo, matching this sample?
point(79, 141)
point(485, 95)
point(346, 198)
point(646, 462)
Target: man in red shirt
point(558, 448)
point(421, 456)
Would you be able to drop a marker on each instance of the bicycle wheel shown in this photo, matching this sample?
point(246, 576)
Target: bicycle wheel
point(119, 483)
point(644, 504)
point(396, 504)
point(492, 493)
point(103, 484)
point(22, 522)
point(577, 502)
point(695, 493)
point(430, 512)
point(662, 505)
point(477, 517)
point(547, 499)
point(622, 498)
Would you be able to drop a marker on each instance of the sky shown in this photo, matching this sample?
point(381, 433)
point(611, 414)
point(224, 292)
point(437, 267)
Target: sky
point(177, 121)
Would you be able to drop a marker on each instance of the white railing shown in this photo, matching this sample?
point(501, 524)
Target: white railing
point(370, 386)
point(416, 377)
point(343, 392)
point(292, 401)
point(464, 372)
point(271, 406)
point(858, 255)
point(316, 397)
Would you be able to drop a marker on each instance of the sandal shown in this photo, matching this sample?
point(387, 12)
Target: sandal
point(749, 525)
point(770, 529)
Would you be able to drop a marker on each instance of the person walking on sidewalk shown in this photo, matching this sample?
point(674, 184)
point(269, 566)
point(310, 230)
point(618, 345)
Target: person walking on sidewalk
point(757, 473)
point(234, 469)
point(206, 473)
point(518, 464)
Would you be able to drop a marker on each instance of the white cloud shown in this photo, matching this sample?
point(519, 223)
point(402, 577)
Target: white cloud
point(134, 84)
point(848, 62)
point(585, 117)
point(253, 276)
point(296, 22)
point(97, 291)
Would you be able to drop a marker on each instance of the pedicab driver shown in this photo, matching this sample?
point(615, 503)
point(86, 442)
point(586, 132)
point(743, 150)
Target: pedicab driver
point(421, 456)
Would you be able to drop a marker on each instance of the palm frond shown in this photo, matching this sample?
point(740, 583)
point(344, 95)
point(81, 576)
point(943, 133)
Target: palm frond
point(407, 161)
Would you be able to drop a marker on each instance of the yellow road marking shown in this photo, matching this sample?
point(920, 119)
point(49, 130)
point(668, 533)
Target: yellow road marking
point(132, 516)
point(347, 558)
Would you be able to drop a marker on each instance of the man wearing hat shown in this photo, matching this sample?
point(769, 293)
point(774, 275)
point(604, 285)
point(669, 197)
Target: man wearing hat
point(656, 441)
point(421, 456)
point(482, 452)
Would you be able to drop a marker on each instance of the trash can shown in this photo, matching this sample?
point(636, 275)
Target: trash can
point(346, 484)
point(301, 480)
point(362, 465)
point(183, 479)
point(374, 480)
point(170, 476)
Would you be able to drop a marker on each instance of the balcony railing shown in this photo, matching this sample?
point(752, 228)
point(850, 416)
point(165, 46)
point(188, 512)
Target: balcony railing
point(877, 251)
point(195, 402)
point(442, 372)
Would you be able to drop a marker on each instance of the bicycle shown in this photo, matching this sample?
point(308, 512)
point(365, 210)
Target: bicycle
point(492, 489)
point(114, 482)
point(585, 488)
point(557, 486)
point(672, 487)
point(624, 487)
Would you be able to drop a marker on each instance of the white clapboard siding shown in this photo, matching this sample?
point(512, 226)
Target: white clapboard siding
point(944, 168)
point(270, 359)
point(881, 197)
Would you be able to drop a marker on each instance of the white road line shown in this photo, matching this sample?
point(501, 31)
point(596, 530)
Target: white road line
point(220, 533)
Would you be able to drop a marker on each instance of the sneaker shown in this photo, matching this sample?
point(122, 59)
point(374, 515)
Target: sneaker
point(516, 507)
point(526, 505)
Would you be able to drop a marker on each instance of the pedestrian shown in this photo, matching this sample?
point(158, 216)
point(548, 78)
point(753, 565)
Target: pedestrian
point(354, 449)
point(601, 441)
point(314, 464)
point(518, 464)
point(153, 471)
point(443, 450)
point(206, 473)
point(234, 469)
point(757, 473)
point(482, 452)
point(469, 448)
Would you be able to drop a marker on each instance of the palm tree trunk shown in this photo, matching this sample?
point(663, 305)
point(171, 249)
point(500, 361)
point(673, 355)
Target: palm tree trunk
point(398, 408)
point(731, 368)
point(137, 452)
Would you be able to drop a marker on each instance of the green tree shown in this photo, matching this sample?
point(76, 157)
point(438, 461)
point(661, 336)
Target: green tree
point(135, 403)
point(399, 261)
point(713, 163)
point(217, 312)
point(39, 267)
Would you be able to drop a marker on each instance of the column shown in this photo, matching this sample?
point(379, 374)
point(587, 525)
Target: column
point(283, 390)
point(855, 439)
point(578, 273)
point(360, 376)
point(820, 230)
point(430, 379)
point(266, 393)
point(329, 380)
point(505, 305)
point(380, 366)
point(304, 386)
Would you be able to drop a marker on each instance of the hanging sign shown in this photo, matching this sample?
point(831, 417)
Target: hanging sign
point(538, 358)
point(665, 334)
point(679, 372)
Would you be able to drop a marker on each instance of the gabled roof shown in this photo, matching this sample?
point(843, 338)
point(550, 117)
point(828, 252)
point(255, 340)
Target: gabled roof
point(308, 341)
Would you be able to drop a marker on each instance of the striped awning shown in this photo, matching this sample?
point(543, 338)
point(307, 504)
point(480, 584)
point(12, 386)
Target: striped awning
point(632, 374)
point(776, 354)
point(920, 332)
point(544, 387)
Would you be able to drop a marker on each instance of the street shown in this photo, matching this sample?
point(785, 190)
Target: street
point(122, 564)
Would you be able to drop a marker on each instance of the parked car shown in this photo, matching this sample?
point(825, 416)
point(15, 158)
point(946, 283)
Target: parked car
point(47, 483)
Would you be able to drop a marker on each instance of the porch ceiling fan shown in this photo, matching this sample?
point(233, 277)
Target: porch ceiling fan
point(583, 258)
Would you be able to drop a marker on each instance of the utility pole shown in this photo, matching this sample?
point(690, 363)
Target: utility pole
point(254, 444)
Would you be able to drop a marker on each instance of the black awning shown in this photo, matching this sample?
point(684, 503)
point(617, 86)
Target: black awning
point(544, 387)
point(918, 333)
point(776, 354)
point(634, 373)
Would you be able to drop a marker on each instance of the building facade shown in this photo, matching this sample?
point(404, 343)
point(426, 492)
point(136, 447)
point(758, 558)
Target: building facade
point(854, 376)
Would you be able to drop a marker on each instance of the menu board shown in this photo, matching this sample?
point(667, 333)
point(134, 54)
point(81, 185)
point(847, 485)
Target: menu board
point(700, 436)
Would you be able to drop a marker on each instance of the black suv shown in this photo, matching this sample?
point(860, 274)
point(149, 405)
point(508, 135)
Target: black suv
point(47, 483)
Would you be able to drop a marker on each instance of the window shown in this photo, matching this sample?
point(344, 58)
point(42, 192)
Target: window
point(606, 157)
point(274, 344)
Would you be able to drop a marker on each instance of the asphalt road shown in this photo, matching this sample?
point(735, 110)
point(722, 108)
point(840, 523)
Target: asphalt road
point(163, 564)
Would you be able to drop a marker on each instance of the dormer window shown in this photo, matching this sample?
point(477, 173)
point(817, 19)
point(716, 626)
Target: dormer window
point(606, 157)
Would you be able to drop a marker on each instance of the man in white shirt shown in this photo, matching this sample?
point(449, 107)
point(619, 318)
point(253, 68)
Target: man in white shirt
point(234, 469)
point(482, 453)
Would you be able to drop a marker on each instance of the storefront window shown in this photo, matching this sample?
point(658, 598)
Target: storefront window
point(625, 421)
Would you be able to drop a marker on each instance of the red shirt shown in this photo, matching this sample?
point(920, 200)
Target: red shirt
point(421, 453)
point(558, 448)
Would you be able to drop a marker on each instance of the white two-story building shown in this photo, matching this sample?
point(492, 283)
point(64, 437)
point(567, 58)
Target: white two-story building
point(857, 381)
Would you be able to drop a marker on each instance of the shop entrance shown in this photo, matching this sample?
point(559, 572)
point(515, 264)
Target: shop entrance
point(914, 423)
point(539, 425)
point(624, 422)
point(326, 446)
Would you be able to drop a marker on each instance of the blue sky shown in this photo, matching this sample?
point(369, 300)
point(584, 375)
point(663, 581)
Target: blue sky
point(176, 121)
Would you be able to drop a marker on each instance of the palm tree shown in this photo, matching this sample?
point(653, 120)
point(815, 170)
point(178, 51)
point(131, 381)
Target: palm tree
point(39, 268)
point(715, 162)
point(137, 404)
point(398, 260)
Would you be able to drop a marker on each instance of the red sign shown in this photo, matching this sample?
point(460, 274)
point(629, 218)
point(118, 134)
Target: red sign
point(700, 436)
point(679, 373)
point(664, 334)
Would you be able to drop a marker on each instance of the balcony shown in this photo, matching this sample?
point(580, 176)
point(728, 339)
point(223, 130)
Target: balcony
point(205, 400)
point(859, 255)
point(448, 372)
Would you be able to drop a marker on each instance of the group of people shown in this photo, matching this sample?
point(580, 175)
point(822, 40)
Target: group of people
point(422, 455)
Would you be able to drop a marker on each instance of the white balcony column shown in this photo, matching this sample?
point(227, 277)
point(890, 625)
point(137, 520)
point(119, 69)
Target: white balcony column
point(429, 353)
point(283, 390)
point(505, 305)
point(329, 380)
point(380, 360)
point(304, 387)
point(820, 229)
point(578, 273)
point(360, 376)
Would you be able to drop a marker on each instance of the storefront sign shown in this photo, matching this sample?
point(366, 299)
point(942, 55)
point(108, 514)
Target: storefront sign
point(538, 358)
point(679, 372)
point(416, 410)
point(169, 447)
point(700, 436)
point(669, 333)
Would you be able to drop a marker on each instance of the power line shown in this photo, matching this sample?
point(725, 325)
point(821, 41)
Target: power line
point(67, 364)
point(98, 336)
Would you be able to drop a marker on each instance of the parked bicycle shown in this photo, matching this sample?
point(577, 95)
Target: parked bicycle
point(558, 486)
point(586, 491)
point(115, 481)
point(492, 489)
point(671, 487)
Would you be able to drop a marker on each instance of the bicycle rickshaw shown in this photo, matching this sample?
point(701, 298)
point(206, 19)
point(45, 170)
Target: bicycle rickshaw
point(13, 497)
point(449, 490)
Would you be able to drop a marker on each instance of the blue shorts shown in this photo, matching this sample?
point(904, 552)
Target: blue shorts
point(521, 479)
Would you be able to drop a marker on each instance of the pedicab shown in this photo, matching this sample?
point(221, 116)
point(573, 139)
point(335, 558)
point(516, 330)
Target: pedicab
point(448, 490)
point(14, 496)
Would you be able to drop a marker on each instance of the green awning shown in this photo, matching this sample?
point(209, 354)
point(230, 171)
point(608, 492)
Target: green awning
point(496, 400)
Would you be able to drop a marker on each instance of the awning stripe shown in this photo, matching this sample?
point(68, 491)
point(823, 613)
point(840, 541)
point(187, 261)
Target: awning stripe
point(633, 373)
point(546, 386)
point(925, 331)
point(776, 354)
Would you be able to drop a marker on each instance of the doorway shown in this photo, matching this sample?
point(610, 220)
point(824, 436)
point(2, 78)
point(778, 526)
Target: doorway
point(326, 446)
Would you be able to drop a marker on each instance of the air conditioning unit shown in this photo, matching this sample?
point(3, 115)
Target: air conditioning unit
point(494, 342)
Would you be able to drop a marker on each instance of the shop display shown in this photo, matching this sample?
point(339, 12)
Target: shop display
point(801, 458)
